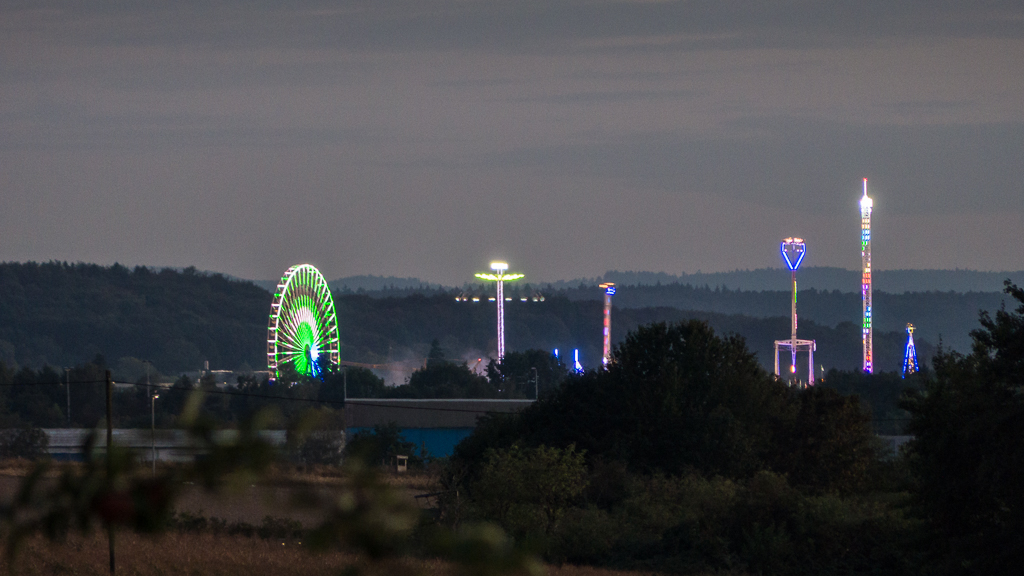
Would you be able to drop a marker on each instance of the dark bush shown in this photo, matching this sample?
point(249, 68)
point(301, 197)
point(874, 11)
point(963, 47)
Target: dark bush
point(27, 443)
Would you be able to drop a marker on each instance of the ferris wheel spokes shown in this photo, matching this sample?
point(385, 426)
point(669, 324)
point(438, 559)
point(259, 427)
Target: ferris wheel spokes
point(303, 328)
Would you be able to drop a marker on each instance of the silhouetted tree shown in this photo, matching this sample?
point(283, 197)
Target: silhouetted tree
point(968, 423)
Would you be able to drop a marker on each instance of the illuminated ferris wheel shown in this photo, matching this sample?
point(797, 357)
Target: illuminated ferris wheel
point(303, 329)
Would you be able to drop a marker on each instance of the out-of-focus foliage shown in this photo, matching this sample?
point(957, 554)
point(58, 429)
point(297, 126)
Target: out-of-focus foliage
point(364, 515)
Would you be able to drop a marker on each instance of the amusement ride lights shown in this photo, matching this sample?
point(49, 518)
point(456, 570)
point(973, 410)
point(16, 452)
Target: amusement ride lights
point(303, 328)
point(793, 250)
point(865, 283)
point(609, 291)
point(910, 356)
point(500, 276)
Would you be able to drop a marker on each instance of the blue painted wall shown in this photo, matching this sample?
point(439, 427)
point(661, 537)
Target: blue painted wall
point(438, 441)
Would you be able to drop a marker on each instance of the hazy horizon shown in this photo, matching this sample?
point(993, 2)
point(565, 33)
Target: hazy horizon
point(426, 138)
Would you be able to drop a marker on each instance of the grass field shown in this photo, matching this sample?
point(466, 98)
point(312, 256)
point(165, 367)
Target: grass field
point(207, 555)
point(220, 554)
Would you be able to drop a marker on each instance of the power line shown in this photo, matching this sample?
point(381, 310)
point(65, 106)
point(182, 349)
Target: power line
point(380, 403)
point(273, 397)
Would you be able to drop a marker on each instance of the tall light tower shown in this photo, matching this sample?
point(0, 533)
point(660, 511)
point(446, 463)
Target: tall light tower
point(865, 283)
point(910, 356)
point(793, 250)
point(609, 291)
point(500, 276)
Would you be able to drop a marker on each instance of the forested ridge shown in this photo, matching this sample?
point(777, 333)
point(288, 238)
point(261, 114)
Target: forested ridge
point(64, 314)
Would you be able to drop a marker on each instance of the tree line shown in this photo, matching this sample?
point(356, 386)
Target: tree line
point(64, 314)
point(687, 456)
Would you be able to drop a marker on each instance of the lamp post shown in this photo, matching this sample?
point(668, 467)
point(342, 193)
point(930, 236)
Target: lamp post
point(152, 404)
point(500, 276)
point(153, 408)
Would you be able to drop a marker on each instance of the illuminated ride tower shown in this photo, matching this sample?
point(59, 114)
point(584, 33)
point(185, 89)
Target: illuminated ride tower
point(793, 250)
point(910, 356)
point(500, 276)
point(865, 283)
point(609, 291)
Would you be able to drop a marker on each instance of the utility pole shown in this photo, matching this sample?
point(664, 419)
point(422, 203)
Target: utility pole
point(110, 465)
point(67, 387)
point(536, 383)
point(152, 402)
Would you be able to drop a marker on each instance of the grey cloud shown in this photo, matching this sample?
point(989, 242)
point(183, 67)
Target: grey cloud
point(791, 161)
point(511, 26)
point(56, 128)
point(608, 96)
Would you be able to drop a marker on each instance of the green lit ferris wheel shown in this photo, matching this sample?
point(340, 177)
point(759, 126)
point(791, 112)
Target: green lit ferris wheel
point(303, 329)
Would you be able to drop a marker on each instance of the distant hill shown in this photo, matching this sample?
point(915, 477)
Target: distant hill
point(64, 314)
point(825, 278)
point(948, 316)
point(817, 277)
point(369, 283)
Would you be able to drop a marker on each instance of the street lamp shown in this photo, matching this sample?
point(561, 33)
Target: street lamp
point(500, 276)
point(152, 403)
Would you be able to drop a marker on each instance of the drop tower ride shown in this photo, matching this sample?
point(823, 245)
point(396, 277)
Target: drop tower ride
point(865, 283)
point(606, 355)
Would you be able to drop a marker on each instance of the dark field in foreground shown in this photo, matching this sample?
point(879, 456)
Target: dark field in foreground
point(208, 555)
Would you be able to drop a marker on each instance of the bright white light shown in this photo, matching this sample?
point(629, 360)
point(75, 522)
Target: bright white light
point(499, 266)
point(865, 201)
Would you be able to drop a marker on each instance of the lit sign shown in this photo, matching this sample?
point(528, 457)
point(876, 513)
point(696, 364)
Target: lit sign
point(793, 250)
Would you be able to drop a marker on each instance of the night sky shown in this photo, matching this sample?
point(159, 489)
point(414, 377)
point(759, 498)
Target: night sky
point(425, 138)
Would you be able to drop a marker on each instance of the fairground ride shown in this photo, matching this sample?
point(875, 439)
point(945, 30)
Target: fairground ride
point(303, 329)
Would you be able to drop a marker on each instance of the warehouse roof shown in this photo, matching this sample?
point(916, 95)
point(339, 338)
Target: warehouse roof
point(425, 413)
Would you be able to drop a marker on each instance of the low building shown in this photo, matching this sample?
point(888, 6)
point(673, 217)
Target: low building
point(167, 445)
point(435, 425)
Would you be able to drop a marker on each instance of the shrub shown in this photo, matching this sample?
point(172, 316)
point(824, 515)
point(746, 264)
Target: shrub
point(518, 487)
point(27, 443)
